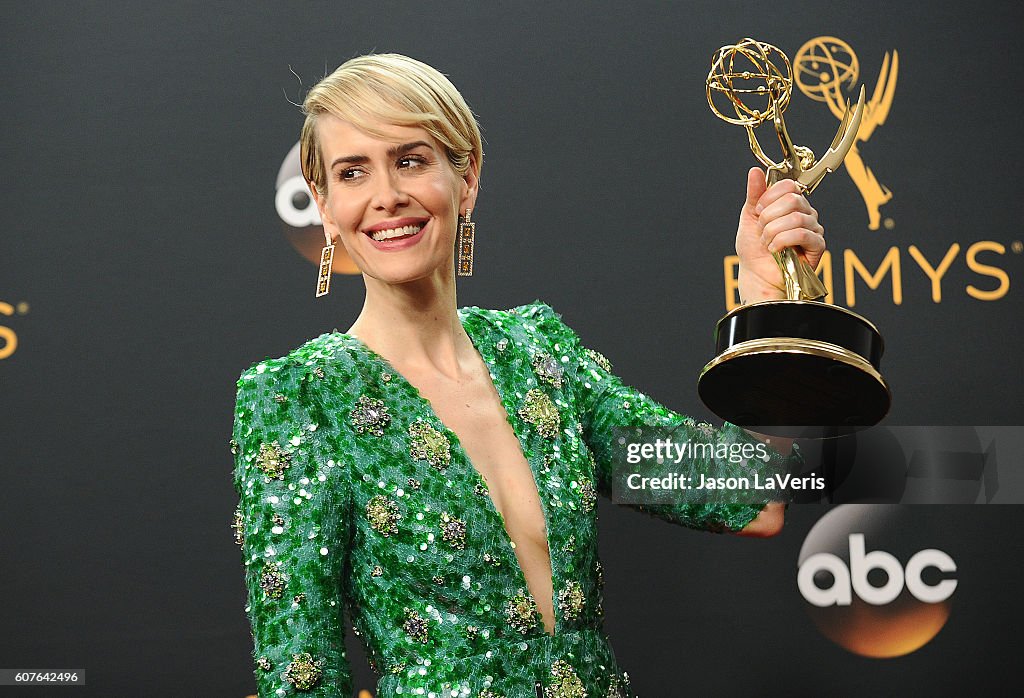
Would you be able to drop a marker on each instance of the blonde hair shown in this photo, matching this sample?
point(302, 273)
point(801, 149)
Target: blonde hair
point(397, 90)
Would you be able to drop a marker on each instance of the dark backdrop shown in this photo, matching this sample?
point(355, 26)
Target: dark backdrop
point(143, 265)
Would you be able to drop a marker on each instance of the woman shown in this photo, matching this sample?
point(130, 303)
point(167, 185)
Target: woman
point(435, 468)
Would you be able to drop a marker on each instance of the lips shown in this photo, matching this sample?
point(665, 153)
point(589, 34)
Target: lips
point(403, 234)
point(396, 229)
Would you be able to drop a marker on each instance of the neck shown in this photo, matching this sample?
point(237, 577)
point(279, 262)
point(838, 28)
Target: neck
point(415, 326)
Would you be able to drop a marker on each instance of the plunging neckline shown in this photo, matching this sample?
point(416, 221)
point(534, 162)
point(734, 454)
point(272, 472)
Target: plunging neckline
point(492, 369)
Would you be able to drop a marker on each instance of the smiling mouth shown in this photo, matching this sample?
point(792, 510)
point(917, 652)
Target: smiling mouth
point(406, 231)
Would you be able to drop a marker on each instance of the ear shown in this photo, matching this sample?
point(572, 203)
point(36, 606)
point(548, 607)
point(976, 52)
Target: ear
point(325, 217)
point(470, 186)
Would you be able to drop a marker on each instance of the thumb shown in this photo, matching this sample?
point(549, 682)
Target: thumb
point(756, 186)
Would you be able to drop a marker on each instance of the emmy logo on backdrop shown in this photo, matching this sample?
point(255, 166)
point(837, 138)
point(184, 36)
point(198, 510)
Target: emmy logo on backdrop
point(822, 66)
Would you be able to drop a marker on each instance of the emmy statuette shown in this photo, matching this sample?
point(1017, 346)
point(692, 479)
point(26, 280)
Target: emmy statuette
point(798, 366)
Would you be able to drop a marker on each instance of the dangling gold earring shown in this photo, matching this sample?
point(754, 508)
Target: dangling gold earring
point(464, 245)
point(323, 282)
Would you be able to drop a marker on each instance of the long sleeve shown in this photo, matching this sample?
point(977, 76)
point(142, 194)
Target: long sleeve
point(293, 528)
point(605, 403)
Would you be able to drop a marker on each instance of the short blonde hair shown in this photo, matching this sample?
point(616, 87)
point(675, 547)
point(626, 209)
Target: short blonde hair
point(397, 90)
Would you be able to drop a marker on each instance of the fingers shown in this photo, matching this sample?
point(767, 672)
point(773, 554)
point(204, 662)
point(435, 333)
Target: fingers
point(809, 240)
point(755, 186)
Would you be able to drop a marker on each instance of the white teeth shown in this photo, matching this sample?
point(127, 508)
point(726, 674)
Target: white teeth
point(379, 235)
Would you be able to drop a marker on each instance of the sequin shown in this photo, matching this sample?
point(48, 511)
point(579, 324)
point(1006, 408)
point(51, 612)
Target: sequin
point(547, 368)
point(501, 344)
point(570, 600)
point(298, 598)
point(318, 372)
point(453, 530)
point(538, 409)
point(618, 687)
point(370, 414)
point(413, 483)
point(480, 489)
point(382, 512)
point(278, 520)
point(234, 447)
point(566, 683)
point(238, 527)
point(271, 580)
point(598, 358)
point(415, 625)
point(429, 444)
point(280, 398)
point(273, 460)
point(376, 571)
point(521, 612)
point(264, 664)
point(588, 495)
point(488, 693)
point(303, 671)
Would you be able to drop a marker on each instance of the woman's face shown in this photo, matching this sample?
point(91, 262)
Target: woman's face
point(393, 202)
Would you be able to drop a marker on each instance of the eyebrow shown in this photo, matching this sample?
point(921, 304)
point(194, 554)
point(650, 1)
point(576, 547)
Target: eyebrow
point(393, 152)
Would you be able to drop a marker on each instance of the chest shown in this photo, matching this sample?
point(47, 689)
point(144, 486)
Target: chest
point(473, 411)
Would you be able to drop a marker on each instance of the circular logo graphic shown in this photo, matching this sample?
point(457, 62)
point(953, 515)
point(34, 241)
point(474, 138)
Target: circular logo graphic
point(301, 219)
point(872, 581)
point(824, 64)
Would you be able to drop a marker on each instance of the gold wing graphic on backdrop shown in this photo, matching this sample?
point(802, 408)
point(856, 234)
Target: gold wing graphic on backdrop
point(876, 111)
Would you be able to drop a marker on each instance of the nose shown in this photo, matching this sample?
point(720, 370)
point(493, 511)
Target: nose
point(388, 193)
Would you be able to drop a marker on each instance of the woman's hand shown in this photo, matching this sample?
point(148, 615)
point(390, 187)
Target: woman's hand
point(770, 221)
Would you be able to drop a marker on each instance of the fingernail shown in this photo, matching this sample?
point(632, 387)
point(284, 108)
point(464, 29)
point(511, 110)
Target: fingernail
point(771, 247)
point(758, 208)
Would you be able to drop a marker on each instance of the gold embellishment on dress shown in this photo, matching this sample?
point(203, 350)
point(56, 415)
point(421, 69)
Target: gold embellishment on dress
point(303, 672)
point(238, 526)
point(521, 611)
point(588, 495)
point(376, 571)
point(318, 372)
point(471, 632)
point(429, 444)
point(413, 483)
point(298, 598)
point(539, 410)
point(480, 489)
point(437, 579)
point(599, 568)
point(566, 683)
point(570, 545)
point(370, 415)
point(280, 398)
point(599, 359)
point(264, 664)
point(271, 580)
point(415, 625)
point(570, 600)
point(386, 377)
point(273, 460)
point(547, 368)
point(234, 446)
point(278, 520)
point(492, 560)
point(488, 693)
point(453, 530)
point(382, 514)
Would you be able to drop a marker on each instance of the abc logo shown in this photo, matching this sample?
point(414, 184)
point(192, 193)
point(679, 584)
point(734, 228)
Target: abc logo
point(300, 217)
point(871, 583)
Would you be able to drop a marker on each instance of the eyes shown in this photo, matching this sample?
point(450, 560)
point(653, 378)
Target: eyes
point(406, 162)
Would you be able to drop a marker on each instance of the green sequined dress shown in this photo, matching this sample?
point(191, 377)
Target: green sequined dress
point(354, 494)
